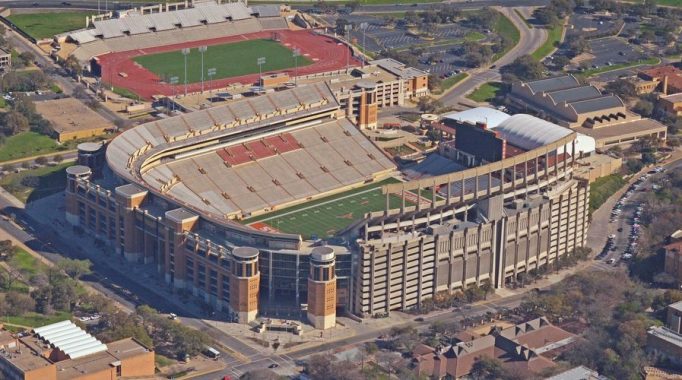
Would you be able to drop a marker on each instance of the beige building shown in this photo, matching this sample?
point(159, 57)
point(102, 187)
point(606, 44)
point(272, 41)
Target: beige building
point(5, 59)
point(62, 351)
point(70, 119)
point(565, 101)
point(667, 340)
point(671, 104)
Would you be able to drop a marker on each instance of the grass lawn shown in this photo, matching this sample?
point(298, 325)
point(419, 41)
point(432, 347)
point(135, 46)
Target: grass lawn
point(26, 144)
point(163, 361)
point(474, 36)
point(553, 40)
point(399, 150)
point(32, 319)
point(124, 92)
point(604, 69)
point(229, 60)
point(24, 262)
point(603, 188)
point(505, 27)
point(46, 25)
point(326, 216)
point(486, 92)
point(52, 180)
point(447, 83)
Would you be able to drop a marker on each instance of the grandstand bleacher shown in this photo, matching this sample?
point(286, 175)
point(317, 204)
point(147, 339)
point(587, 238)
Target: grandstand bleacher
point(253, 177)
point(203, 22)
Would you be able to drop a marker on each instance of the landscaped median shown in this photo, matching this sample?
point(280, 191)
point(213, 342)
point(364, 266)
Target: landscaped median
point(505, 27)
point(486, 92)
point(619, 66)
point(553, 39)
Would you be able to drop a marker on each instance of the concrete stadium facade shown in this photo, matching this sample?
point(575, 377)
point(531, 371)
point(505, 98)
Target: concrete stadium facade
point(484, 224)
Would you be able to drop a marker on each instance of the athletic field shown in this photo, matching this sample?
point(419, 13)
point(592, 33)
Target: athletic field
point(229, 60)
point(326, 216)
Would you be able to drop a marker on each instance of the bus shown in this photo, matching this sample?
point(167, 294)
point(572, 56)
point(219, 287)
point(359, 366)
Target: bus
point(212, 352)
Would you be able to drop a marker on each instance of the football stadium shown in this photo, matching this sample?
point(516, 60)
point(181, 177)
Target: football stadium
point(142, 49)
point(281, 199)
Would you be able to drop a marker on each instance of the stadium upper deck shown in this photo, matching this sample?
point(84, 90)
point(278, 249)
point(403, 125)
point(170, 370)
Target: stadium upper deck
point(250, 156)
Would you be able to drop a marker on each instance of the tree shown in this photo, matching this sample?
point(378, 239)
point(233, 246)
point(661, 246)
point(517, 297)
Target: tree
point(58, 158)
point(19, 303)
point(6, 249)
point(546, 16)
point(428, 105)
point(14, 122)
point(622, 87)
point(27, 57)
point(79, 92)
point(524, 68)
point(486, 368)
point(74, 267)
point(30, 181)
point(260, 374)
point(41, 160)
point(644, 108)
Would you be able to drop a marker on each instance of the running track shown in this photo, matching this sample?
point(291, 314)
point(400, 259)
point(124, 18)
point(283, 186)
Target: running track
point(325, 52)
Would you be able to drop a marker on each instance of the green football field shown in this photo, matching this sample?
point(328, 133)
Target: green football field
point(326, 216)
point(229, 60)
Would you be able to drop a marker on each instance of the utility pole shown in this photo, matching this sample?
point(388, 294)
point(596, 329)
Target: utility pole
point(202, 50)
point(260, 61)
point(297, 53)
point(185, 53)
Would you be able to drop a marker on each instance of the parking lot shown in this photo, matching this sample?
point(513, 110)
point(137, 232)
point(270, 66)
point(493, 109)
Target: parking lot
point(588, 25)
point(626, 216)
point(612, 50)
point(380, 35)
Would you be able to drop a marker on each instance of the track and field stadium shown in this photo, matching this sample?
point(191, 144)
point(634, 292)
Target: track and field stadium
point(233, 57)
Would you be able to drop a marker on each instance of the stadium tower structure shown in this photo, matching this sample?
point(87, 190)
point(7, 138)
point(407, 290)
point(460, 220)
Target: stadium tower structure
point(187, 183)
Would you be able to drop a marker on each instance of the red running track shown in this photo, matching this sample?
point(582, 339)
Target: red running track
point(325, 52)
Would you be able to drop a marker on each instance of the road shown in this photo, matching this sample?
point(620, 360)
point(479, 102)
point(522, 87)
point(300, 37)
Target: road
point(529, 41)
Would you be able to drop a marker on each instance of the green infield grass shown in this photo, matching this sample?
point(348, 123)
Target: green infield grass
point(46, 25)
point(229, 60)
point(326, 216)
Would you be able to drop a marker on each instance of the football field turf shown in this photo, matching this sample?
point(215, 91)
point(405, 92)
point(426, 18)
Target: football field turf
point(326, 216)
point(230, 60)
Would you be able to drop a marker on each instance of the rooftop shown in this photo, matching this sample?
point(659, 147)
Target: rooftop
point(674, 98)
point(634, 127)
point(574, 94)
point(70, 339)
point(71, 115)
point(490, 116)
point(399, 69)
point(553, 84)
point(666, 334)
point(597, 104)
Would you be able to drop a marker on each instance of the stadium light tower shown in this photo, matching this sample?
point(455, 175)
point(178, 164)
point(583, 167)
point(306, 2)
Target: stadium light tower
point(211, 72)
point(202, 50)
point(185, 53)
point(363, 26)
point(173, 81)
point(260, 61)
point(297, 53)
point(348, 28)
